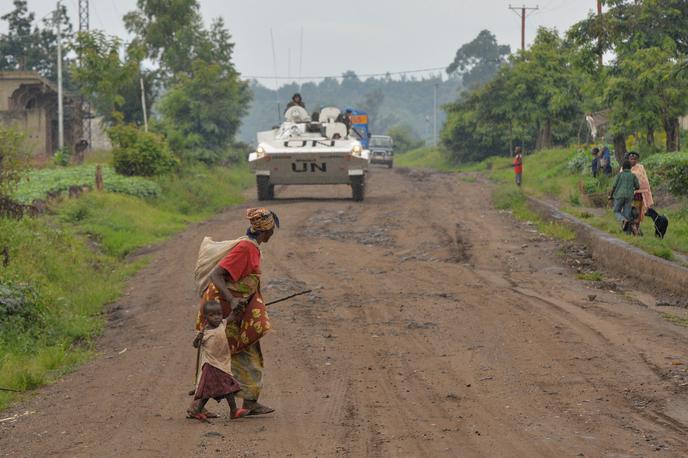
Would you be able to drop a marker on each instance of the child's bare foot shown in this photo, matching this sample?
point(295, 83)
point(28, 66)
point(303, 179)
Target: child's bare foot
point(200, 416)
point(239, 413)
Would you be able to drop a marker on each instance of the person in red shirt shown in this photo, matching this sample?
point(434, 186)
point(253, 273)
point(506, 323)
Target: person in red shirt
point(518, 165)
point(247, 319)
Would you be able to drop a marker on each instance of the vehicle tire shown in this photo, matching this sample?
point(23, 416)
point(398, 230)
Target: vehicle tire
point(263, 187)
point(389, 166)
point(358, 187)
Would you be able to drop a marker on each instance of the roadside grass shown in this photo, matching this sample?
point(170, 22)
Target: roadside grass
point(675, 319)
point(547, 175)
point(200, 192)
point(515, 201)
point(73, 283)
point(119, 224)
point(74, 258)
point(591, 276)
point(424, 158)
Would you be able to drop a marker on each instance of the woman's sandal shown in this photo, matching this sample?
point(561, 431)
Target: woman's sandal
point(260, 409)
point(239, 414)
point(200, 416)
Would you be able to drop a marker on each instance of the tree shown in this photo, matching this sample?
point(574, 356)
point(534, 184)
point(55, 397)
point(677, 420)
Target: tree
point(404, 139)
point(485, 121)
point(650, 44)
point(649, 80)
point(202, 113)
point(371, 104)
point(29, 47)
point(478, 61)
point(547, 87)
point(171, 31)
point(109, 82)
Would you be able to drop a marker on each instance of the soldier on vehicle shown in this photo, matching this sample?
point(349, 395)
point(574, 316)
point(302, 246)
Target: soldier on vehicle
point(296, 101)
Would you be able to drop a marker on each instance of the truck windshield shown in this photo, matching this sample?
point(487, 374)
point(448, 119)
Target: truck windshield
point(381, 141)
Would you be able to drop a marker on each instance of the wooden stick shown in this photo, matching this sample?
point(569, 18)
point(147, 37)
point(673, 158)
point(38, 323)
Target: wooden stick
point(10, 389)
point(289, 297)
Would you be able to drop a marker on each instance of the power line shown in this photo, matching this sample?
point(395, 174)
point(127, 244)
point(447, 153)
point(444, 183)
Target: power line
point(367, 75)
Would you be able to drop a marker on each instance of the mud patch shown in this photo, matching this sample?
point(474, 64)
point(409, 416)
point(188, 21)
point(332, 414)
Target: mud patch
point(328, 224)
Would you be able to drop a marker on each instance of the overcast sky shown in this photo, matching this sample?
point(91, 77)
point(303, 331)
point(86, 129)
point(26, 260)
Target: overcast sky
point(367, 36)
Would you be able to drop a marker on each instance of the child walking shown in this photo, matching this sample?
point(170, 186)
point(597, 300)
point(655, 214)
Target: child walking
point(622, 192)
point(215, 379)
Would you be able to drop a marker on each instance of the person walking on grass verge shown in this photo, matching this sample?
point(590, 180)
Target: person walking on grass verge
point(215, 377)
point(595, 165)
point(235, 284)
point(639, 171)
point(622, 192)
point(518, 165)
point(605, 161)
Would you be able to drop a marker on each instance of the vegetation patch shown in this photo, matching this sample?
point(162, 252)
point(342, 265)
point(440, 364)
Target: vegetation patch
point(424, 158)
point(515, 201)
point(675, 319)
point(63, 267)
point(39, 183)
point(591, 276)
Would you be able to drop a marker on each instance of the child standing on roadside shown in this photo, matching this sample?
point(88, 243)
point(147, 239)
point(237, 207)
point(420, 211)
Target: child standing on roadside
point(518, 165)
point(215, 362)
point(622, 192)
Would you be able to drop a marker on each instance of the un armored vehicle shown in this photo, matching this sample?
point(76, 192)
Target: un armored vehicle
point(382, 150)
point(305, 151)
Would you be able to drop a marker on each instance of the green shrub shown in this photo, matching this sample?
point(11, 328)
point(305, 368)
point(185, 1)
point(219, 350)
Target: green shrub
point(62, 157)
point(678, 178)
point(579, 163)
point(138, 153)
point(671, 168)
point(19, 307)
point(12, 160)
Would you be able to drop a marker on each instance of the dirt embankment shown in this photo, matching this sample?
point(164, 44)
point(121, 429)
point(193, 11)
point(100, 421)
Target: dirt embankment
point(438, 327)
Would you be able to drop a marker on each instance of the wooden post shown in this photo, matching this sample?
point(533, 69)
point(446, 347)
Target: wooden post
point(99, 178)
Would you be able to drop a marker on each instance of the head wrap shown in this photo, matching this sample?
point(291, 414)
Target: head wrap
point(634, 153)
point(261, 219)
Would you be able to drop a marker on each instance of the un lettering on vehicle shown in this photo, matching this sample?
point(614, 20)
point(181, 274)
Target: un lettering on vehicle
point(308, 167)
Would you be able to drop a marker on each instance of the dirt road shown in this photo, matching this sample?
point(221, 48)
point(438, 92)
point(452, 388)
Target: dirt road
point(438, 327)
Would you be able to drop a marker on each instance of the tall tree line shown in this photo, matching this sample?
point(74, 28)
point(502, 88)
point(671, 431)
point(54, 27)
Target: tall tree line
point(404, 102)
point(539, 97)
point(185, 68)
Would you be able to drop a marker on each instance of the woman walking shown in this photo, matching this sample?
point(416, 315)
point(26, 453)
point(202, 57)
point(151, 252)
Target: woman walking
point(235, 284)
point(639, 171)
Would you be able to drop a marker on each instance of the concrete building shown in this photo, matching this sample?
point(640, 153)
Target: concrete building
point(28, 103)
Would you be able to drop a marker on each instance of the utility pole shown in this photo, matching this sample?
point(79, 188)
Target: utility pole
point(60, 107)
point(523, 14)
point(84, 26)
point(143, 104)
point(274, 67)
point(599, 19)
point(434, 113)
